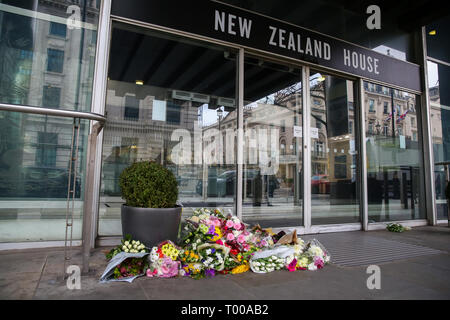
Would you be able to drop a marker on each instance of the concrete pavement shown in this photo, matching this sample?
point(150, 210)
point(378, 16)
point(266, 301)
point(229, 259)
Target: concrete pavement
point(37, 274)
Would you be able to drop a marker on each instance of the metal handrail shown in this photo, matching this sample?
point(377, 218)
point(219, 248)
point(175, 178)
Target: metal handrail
point(445, 163)
point(52, 112)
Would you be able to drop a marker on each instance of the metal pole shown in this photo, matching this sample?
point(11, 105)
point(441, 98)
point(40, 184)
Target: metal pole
point(306, 150)
point(89, 195)
point(240, 131)
point(360, 109)
point(428, 175)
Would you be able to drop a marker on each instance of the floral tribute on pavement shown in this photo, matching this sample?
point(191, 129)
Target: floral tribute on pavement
point(211, 243)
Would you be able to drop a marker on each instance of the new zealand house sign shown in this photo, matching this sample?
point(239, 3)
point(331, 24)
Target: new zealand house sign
point(219, 21)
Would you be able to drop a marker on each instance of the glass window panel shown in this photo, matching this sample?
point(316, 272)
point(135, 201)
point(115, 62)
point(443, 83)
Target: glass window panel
point(439, 84)
point(334, 175)
point(272, 171)
point(40, 46)
point(51, 97)
point(58, 29)
point(171, 101)
point(34, 163)
point(394, 158)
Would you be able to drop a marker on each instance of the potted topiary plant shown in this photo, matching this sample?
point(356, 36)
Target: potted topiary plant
point(150, 213)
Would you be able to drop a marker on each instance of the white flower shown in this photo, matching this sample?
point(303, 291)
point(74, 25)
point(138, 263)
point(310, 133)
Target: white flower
point(126, 243)
point(126, 250)
point(315, 251)
point(289, 259)
point(124, 247)
point(208, 251)
point(312, 267)
point(133, 242)
point(142, 251)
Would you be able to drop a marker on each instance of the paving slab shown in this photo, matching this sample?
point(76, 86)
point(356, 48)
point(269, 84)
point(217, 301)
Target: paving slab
point(37, 274)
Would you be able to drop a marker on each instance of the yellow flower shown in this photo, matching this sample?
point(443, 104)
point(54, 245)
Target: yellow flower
point(219, 234)
point(240, 269)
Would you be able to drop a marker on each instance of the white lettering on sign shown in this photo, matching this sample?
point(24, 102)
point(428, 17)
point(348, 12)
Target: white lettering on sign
point(361, 61)
point(291, 41)
point(228, 23)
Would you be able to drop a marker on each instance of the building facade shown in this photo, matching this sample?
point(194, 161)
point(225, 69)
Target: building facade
point(256, 106)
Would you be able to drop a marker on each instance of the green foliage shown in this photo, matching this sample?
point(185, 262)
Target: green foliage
point(148, 185)
point(395, 227)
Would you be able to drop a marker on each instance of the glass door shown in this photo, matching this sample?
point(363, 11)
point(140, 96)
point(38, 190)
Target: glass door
point(273, 159)
point(394, 154)
point(334, 157)
point(170, 100)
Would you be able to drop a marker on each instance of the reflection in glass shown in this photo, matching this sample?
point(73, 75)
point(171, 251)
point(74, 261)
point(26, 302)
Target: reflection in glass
point(272, 171)
point(170, 100)
point(437, 39)
point(34, 161)
point(394, 156)
point(438, 84)
point(334, 175)
point(41, 48)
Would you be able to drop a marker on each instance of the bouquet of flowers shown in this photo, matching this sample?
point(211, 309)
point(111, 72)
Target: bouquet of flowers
point(127, 245)
point(126, 261)
point(205, 213)
point(261, 238)
point(268, 264)
point(188, 256)
point(193, 270)
point(213, 256)
point(163, 260)
point(201, 232)
point(238, 262)
point(313, 257)
point(131, 267)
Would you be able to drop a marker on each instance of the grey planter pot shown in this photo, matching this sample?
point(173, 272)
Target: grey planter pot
point(151, 225)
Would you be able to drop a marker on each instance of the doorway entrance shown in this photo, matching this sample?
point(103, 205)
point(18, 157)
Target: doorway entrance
point(173, 100)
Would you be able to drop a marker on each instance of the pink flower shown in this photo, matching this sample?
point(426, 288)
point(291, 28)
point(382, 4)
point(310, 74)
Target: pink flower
point(230, 236)
point(237, 226)
point(230, 224)
point(241, 238)
point(169, 268)
point(217, 223)
point(318, 262)
point(292, 266)
point(151, 273)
